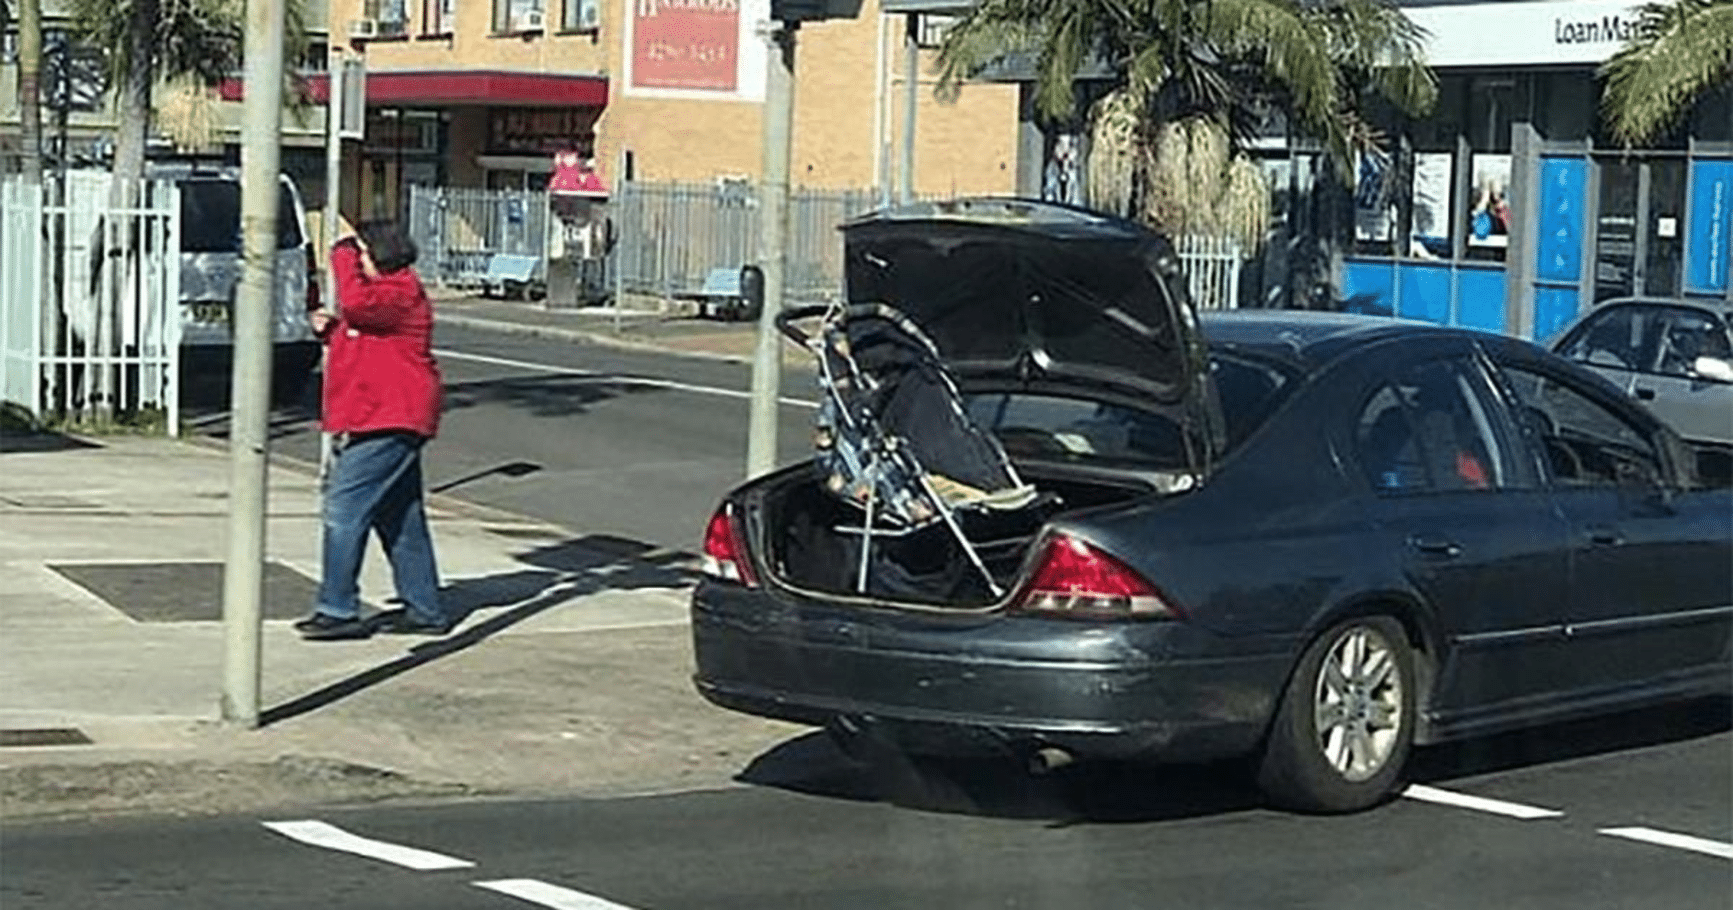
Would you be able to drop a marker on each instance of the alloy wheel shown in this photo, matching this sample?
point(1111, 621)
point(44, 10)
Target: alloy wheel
point(1357, 703)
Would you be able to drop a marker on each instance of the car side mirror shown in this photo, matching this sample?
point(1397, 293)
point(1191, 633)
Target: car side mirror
point(1712, 368)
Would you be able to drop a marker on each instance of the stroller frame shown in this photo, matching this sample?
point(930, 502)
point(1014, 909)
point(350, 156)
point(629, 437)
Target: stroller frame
point(875, 469)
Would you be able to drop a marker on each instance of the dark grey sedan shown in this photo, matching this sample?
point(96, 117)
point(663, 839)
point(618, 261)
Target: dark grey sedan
point(1314, 539)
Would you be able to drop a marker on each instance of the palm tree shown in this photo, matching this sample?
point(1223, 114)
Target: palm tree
point(1682, 50)
point(190, 43)
point(1189, 81)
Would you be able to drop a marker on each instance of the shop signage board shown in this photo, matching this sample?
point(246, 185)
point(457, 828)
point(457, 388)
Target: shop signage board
point(702, 49)
point(1709, 227)
point(1525, 33)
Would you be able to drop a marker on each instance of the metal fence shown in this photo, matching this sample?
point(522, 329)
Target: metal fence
point(670, 236)
point(89, 320)
point(1212, 270)
point(460, 230)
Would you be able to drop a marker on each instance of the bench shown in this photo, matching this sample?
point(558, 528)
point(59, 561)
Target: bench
point(509, 273)
point(721, 291)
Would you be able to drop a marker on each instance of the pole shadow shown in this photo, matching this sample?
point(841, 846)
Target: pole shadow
point(560, 572)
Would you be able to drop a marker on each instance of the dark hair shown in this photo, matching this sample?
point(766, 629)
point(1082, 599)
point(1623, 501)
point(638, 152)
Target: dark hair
point(390, 247)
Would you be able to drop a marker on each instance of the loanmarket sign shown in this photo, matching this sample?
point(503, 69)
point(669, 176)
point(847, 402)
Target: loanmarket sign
point(1525, 34)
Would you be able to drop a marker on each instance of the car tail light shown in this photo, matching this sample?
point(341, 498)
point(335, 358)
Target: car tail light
point(1078, 580)
point(725, 549)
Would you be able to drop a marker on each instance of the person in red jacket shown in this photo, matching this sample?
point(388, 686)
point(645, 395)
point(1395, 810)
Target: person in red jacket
point(381, 401)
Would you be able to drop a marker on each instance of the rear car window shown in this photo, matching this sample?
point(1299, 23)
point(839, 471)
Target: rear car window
point(211, 217)
point(1057, 428)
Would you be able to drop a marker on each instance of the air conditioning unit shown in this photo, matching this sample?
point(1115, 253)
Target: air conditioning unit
point(362, 29)
point(529, 20)
point(589, 14)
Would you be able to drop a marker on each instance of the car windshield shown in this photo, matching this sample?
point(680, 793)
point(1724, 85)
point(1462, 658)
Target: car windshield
point(211, 217)
point(1079, 430)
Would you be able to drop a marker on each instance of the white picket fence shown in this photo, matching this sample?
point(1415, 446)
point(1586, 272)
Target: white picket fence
point(89, 300)
point(1212, 270)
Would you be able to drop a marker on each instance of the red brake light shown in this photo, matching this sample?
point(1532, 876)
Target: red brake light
point(725, 549)
point(1076, 579)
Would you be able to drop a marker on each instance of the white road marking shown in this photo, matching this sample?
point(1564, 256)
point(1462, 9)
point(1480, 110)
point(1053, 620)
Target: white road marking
point(1669, 839)
point(611, 377)
point(331, 837)
point(1477, 803)
point(537, 892)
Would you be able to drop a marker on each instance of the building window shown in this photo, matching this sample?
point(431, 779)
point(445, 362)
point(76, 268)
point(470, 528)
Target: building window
point(438, 17)
point(511, 17)
point(582, 16)
point(390, 17)
point(932, 28)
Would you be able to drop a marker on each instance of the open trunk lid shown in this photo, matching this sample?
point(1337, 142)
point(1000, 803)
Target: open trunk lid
point(1033, 294)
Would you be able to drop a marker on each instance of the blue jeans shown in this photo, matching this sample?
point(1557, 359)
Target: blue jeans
point(374, 483)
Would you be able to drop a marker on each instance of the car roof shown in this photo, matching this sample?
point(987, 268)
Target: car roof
point(1720, 306)
point(1027, 216)
point(1308, 338)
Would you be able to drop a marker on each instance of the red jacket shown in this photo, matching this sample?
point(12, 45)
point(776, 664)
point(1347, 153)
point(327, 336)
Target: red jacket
point(379, 369)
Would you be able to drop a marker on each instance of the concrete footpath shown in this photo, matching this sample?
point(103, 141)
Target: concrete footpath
point(569, 675)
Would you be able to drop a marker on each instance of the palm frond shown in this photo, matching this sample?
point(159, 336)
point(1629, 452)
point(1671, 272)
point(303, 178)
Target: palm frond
point(1683, 49)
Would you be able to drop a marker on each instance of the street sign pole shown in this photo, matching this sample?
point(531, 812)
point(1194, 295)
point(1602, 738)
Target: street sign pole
point(243, 572)
point(772, 247)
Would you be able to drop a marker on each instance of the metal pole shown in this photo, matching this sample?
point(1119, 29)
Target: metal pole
point(772, 248)
point(243, 574)
point(334, 86)
point(911, 96)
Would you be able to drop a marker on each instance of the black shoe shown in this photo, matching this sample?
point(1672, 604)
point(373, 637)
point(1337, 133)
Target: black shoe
point(399, 622)
point(324, 627)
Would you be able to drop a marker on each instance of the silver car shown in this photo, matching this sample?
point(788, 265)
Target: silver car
point(1675, 356)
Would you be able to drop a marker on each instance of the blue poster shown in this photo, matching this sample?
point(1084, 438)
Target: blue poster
point(1560, 241)
point(1709, 234)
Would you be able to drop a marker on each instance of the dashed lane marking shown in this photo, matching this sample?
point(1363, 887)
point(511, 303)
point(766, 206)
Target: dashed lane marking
point(1669, 839)
point(539, 892)
point(331, 837)
point(613, 377)
point(1478, 803)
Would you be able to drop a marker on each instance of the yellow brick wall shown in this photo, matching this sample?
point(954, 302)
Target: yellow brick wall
point(965, 147)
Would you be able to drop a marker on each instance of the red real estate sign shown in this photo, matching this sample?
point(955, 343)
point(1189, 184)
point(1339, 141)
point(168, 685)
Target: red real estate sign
point(686, 44)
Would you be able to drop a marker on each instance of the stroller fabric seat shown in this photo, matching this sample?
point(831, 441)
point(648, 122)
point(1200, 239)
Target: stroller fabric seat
point(892, 435)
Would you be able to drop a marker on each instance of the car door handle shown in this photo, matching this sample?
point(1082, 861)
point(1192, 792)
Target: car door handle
point(1605, 536)
point(1435, 546)
point(1644, 394)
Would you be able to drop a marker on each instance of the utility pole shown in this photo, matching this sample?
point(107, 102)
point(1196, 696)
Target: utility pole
point(29, 89)
point(911, 97)
point(335, 84)
point(243, 574)
point(772, 246)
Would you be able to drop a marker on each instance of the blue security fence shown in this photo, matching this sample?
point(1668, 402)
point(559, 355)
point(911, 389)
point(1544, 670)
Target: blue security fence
point(1462, 293)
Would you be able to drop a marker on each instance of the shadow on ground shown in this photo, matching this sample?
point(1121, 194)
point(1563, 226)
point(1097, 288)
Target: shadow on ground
point(543, 396)
point(1116, 792)
point(558, 573)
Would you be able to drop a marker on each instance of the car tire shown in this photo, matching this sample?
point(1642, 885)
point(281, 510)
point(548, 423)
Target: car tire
point(1345, 725)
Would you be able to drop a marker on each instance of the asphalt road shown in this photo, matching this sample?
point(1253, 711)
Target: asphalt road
point(810, 831)
point(607, 442)
point(1633, 811)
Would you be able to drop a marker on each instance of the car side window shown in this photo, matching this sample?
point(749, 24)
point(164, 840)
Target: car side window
point(1586, 444)
point(1682, 335)
point(1611, 338)
point(1432, 430)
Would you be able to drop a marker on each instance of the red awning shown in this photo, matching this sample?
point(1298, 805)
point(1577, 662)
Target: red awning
point(451, 88)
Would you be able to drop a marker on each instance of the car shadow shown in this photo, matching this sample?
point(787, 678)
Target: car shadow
point(1083, 793)
point(543, 396)
point(1131, 792)
point(1604, 735)
point(559, 572)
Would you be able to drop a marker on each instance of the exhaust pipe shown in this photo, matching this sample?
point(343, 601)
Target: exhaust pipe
point(1047, 759)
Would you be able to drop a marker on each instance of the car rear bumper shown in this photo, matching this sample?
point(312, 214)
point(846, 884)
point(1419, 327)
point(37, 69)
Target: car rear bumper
point(984, 684)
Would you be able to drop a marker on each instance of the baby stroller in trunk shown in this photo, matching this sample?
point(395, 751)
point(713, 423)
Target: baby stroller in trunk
point(892, 437)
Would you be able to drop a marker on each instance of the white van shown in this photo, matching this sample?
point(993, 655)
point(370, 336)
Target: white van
point(210, 232)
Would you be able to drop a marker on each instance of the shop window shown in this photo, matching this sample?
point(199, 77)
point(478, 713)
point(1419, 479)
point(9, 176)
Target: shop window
point(932, 28)
point(438, 17)
point(581, 16)
point(511, 17)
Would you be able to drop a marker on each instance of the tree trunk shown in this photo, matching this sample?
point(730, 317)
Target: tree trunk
point(132, 127)
point(29, 94)
point(132, 100)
